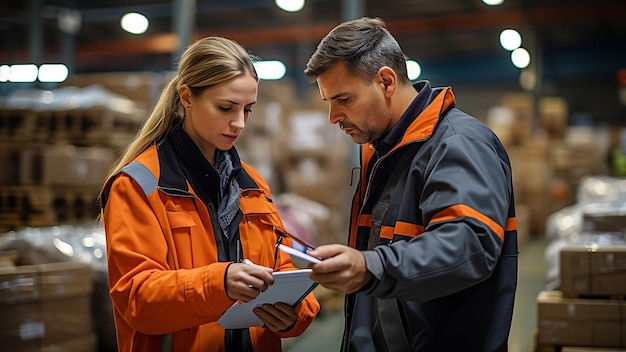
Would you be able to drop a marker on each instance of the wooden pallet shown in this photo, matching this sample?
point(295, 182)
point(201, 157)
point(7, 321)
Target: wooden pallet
point(16, 124)
point(81, 127)
point(53, 165)
point(40, 206)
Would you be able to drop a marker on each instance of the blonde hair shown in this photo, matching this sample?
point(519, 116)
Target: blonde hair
point(205, 63)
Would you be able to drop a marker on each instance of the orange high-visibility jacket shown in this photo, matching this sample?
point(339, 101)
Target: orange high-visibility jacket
point(164, 274)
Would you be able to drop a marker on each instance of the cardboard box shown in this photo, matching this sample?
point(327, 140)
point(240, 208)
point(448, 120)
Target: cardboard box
point(76, 166)
point(45, 322)
point(593, 271)
point(596, 220)
point(8, 258)
point(83, 343)
point(27, 283)
point(63, 165)
point(553, 114)
point(47, 304)
point(580, 322)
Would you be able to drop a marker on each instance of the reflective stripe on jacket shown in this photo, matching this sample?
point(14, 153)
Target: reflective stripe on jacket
point(165, 273)
point(436, 221)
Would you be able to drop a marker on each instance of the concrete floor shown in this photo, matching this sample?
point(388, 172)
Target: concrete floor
point(324, 334)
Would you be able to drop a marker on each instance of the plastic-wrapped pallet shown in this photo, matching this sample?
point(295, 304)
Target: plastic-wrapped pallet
point(45, 304)
point(72, 247)
point(595, 224)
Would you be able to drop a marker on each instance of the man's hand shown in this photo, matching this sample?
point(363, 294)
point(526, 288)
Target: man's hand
point(342, 268)
point(246, 281)
point(276, 317)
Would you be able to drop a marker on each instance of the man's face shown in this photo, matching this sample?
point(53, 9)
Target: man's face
point(358, 107)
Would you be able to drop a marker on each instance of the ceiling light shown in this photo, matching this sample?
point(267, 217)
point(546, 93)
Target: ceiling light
point(510, 39)
point(493, 2)
point(290, 5)
point(134, 23)
point(520, 58)
point(23, 73)
point(413, 69)
point(53, 73)
point(5, 71)
point(270, 70)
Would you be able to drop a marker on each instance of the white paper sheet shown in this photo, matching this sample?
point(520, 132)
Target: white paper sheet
point(289, 287)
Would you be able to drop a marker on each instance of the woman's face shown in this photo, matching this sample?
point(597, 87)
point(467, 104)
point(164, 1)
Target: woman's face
point(215, 119)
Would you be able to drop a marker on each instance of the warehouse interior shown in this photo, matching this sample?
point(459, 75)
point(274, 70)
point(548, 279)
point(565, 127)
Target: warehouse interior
point(562, 118)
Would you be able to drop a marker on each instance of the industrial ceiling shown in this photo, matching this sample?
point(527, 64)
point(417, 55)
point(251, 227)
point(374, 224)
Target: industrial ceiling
point(451, 39)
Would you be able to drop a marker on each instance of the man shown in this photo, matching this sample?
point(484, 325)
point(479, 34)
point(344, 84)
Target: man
point(432, 258)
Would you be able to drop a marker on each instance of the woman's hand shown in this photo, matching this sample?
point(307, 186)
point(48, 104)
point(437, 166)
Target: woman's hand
point(245, 282)
point(276, 317)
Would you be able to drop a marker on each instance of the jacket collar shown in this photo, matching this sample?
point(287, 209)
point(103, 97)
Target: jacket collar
point(171, 174)
point(419, 120)
point(388, 141)
point(425, 116)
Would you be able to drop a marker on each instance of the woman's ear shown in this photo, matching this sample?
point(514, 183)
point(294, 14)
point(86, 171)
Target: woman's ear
point(185, 96)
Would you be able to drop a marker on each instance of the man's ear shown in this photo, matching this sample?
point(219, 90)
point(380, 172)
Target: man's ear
point(185, 96)
point(388, 79)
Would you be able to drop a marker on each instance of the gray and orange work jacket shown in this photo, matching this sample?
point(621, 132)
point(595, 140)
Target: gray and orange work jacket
point(435, 217)
point(166, 265)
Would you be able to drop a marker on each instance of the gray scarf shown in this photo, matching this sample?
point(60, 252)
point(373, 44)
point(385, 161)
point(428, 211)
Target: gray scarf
point(229, 189)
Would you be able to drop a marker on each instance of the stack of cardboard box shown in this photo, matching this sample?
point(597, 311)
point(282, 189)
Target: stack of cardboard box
point(589, 310)
point(55, 154)
point(46, 308)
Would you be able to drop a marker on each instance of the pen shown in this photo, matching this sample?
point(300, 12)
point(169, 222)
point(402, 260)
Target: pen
point(250, 262)
point(238, 252)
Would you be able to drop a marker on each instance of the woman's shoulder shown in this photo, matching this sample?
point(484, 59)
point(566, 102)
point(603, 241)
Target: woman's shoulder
point(256, 177)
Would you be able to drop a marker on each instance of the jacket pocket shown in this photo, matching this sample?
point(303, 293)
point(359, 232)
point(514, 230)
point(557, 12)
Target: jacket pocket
point(180, 219)
point(260, 217)
point(181, 224)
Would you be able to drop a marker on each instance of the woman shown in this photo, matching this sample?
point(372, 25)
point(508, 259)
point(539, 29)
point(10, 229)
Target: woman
point(181, 213)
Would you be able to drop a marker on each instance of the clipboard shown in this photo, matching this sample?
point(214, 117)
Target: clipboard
point(289, 287)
